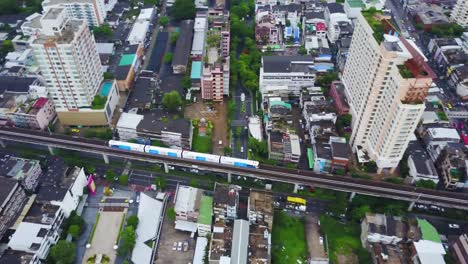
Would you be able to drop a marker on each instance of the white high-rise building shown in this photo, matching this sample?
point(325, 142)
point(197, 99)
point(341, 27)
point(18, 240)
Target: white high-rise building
point(386, 79)
point(67, 56)
point(460, 13)
point(94, 12)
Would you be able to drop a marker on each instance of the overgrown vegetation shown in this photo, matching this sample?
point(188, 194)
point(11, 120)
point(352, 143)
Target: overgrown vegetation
point(172, 101)
point(405, 72)
point(452, 30)
point(98, 102)
point(289, 244)
point(168, 58)
point(104, 31)
point(183, 9)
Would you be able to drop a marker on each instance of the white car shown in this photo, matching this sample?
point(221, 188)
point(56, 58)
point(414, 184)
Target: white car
point(174, 246)
point(454, 226)
point(179, 246)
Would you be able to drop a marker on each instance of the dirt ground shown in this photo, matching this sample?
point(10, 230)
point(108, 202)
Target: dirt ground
point(316, 251)
point(347, 259)
point(169, 235)
point(218, 117)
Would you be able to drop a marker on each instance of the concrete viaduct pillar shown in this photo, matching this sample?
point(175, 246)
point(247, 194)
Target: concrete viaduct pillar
point(296, 187)
point(2, 143)
point(229, 177)
point(166, 168)
point(106, 158)
point(51, 150)
point(411, 205)
point(351, 196)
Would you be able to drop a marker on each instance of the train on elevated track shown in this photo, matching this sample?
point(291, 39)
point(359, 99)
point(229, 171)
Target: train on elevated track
point(185, 154)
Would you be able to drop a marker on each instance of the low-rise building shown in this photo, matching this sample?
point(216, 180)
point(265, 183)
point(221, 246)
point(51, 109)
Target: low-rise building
point(193, 210)
point(12, 199)
point(15, 256)
point(420, 165)
point(459, 249)
point(174, 133)
point(183, 47)
point(337, 21)
point(260, 213)
point(39, 230)
point(429, 248)
point(260, 208)
point(240, 242)
point(379, 228)
point(451, 165)
point(225, 201)
point(127, 126)
point(291, 72)
point(25, 171)
point(339, 98)
point(34, 114)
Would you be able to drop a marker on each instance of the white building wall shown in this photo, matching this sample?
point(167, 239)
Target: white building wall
point(92, 11)
point(460, 13)
point(72, 69)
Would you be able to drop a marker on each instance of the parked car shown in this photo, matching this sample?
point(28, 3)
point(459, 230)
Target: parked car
point(454, 226)
point(179, 246)
point(174, 246)
point(186, 246)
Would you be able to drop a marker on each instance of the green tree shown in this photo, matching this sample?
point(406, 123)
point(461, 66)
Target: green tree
point(108, 76)
point(171, 214)
point(194, 183)
point(103, 31)
point(110, 175)
point(370, 167)
point(90, 169)
point(63, 252)
point(174, 37)
point(183, 9)
point(428, 184)
point(302, 50)
point(360, 212)
point(164, 20)
point(288, 22)
point(133, 221)
point(127, 242)
point(74, 231)
point(160, 182)
point(8, 7)
point(98, 102)
point(258, 147)
point(7, 46)
point(168, 57)
point(172, 101)
point(326, 79)
point(227, 151)
point(186, 82)
point(123, 180)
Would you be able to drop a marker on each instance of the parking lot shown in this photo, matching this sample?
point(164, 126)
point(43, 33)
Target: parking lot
point(169, 235)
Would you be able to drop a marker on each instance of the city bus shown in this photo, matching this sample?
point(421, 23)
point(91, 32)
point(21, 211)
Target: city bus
point(296, 200)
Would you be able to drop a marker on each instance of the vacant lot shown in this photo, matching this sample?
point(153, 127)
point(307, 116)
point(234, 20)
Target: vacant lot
point(344, 242)
point(169, 235)
point(218, 117)
point(289, 242)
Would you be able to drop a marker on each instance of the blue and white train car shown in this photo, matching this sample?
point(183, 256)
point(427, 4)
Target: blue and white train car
point(200, 156)
point(126, 146)
point(176, 153)
point(239, 162)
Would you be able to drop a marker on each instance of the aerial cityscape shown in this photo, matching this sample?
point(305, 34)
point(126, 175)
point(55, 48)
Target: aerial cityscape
point(234, 131)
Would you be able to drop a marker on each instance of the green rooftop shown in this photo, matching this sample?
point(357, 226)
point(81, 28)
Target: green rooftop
point(206, 210)
point(376, 24)
point(356, 3)
point(428, 231)
point(127, 59)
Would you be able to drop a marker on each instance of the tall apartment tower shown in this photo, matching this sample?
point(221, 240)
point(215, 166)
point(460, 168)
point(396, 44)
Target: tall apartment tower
point(67, 56)
point(460, 13)
point(386, 80)
point(92, 11)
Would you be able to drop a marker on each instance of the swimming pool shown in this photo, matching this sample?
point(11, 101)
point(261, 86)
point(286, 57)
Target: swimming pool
point(106, 88)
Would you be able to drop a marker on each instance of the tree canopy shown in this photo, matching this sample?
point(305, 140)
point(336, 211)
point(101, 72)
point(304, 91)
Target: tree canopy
point(183, 9)
point(160, 182)
point(103, 31)
point(63, 252)
point(428, 184)
point(172, 101)
point(164, 20)
point(110, 175)
point(133, 221)
point(127, 242)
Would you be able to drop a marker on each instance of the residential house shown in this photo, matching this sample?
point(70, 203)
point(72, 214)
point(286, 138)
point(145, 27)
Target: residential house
point(420, 165)
point(25, 171)
point(337, 92)
point(12, 198)
point(451, 165)
point(226, 201)
point(34, 114)
point(459, 249)
point(260, 213)
point(337, 21)
point(193, 210)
